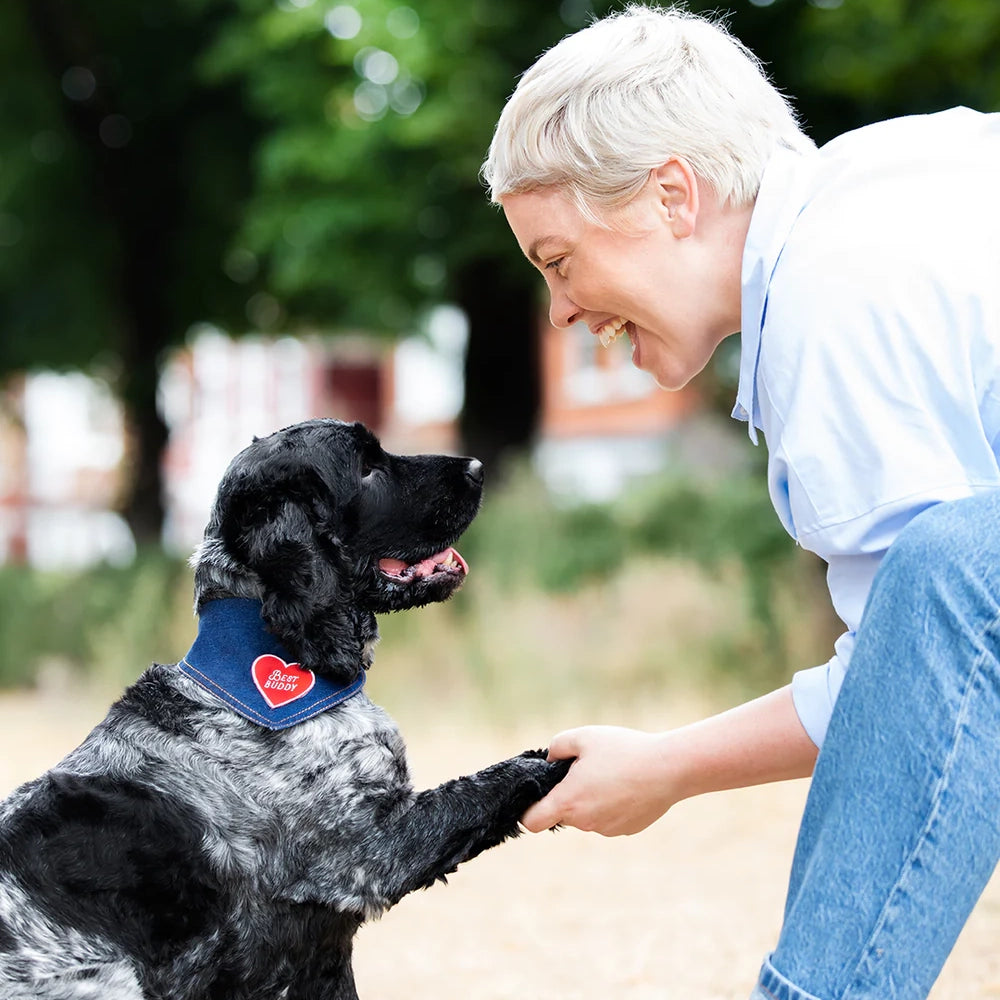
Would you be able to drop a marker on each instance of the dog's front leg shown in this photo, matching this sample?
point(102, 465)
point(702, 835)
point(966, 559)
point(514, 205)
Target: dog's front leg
point(424, 839)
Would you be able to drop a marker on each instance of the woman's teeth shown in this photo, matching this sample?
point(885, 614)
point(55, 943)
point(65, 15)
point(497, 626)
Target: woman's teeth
point(611, 331)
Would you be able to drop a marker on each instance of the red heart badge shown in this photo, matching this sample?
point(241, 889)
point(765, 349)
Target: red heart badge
point(280, 682)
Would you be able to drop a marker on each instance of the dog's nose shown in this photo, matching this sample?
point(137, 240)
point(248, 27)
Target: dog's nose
point(474, 470)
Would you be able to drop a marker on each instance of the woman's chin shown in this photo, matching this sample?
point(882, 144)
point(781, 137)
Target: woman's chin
point(668, 377)
point(668, 371)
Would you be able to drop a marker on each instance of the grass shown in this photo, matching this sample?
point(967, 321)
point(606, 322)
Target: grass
point(657, 628)
point(684, 588)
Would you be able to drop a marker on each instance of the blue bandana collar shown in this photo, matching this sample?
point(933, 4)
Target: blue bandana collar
point(239, 661)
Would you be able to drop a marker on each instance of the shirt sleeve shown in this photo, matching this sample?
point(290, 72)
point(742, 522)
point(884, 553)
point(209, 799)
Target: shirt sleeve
point(815, 690)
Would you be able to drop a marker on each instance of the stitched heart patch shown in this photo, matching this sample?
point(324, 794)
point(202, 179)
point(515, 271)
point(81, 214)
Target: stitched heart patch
point(280, 682)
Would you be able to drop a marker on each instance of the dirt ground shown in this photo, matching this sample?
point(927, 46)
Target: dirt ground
point(683, 911)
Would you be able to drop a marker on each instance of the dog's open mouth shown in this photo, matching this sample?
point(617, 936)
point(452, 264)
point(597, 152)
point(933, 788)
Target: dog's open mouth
point(447, 563)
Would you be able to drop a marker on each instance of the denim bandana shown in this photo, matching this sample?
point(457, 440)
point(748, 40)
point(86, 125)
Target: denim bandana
point(239, 661)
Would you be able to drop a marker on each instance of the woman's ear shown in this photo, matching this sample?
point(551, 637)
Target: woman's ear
point(676, 188)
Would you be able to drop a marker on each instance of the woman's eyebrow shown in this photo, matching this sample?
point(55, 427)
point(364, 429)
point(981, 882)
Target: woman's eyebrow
point(534, 251)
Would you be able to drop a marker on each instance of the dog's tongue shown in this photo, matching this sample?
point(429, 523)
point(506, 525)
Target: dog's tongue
point(448, 559)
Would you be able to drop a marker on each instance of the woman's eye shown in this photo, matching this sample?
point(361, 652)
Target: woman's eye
point(554, 265)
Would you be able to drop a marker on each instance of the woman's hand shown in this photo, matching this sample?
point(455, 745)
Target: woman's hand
point(618, 784)
point(622, 779)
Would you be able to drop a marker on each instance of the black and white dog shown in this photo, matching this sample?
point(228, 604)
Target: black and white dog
point(224, 832)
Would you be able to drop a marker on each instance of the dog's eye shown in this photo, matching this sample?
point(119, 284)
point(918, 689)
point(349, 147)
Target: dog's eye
point(372, 459)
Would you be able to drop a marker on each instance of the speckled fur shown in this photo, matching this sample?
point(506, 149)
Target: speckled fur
point(184, 852)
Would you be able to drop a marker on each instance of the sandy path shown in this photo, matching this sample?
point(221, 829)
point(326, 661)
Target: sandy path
point(683, 911)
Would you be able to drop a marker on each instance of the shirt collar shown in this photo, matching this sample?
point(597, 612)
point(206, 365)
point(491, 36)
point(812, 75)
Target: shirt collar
point(784, 192)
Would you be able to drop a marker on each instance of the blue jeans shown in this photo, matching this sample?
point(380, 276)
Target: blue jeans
point(901, 830)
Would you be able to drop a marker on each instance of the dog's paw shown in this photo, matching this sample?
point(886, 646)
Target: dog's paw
point(545, 774)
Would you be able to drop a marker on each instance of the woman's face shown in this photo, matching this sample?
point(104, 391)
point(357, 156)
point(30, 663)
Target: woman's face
point(665, 269)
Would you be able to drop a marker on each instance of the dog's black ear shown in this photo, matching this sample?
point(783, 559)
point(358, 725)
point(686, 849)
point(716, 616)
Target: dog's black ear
point(284, 528)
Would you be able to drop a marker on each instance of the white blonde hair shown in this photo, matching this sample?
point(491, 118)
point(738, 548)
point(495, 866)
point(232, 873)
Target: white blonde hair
point(608, 104)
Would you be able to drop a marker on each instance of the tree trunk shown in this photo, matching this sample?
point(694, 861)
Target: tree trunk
point(141, 212)
point(502, 370)
point(142, 347)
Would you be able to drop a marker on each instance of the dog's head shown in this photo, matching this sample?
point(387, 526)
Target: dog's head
point(328, 529)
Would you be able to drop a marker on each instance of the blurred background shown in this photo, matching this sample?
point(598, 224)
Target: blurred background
point(218, 217)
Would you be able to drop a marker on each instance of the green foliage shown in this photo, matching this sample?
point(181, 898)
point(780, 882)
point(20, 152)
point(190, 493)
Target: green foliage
point(846, 64)
point(529, 540)
point(725, 532)
point(896, 57)
point(713, 525)
point(106, 623)
point(684, 577)
point(98, 215)
point(54, 309)
point(367, 203)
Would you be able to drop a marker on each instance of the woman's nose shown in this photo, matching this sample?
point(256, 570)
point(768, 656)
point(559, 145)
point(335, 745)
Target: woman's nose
point(563, 311)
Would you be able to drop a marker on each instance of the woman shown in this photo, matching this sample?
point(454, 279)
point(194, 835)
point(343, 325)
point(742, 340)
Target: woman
point(665, 191)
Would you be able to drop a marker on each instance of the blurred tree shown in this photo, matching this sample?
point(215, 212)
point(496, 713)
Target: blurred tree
point(120, 185)
point(134, 135)
point(857, 63)
point(284, 163)
point(367, 204)
point(846, 65)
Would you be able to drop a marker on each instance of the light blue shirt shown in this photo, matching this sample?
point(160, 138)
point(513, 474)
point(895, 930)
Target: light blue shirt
point(871, 345)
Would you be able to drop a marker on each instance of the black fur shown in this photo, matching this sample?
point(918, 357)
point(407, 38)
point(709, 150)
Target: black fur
point(184, 852)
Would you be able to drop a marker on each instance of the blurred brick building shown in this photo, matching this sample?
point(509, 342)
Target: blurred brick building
point(603, 421)
point(61, 437)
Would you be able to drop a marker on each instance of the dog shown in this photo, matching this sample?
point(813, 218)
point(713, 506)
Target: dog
point(237, 816)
